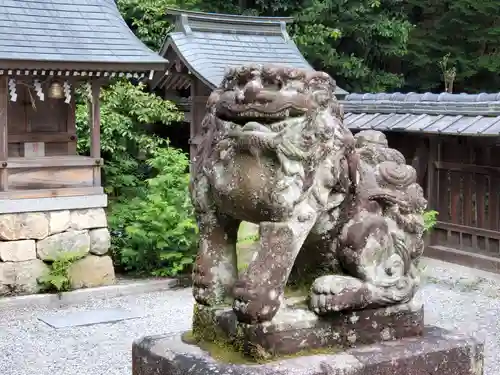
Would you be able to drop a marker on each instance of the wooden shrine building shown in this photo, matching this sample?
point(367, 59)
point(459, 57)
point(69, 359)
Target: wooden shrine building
point(203, 45)
point(51, 199)
point(453, 142)
point(47, 49)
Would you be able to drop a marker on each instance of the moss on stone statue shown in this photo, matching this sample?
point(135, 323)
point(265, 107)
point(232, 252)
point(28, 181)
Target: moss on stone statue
point(204, 325)
point(223, 352)
point(293, 291)
point(235, 348)
point(210, 337)
point(226, 352)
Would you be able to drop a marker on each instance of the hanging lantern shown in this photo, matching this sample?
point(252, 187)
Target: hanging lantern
point(56, 91)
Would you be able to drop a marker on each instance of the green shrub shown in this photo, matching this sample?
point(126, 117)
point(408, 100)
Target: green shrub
point(430, 219)
point(149, 213)
point(155, 233)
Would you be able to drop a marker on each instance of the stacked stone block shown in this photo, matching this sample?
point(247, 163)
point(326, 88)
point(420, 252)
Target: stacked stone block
point(28, 242)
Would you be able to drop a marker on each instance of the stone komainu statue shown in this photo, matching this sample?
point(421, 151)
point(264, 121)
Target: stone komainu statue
point(275, 152)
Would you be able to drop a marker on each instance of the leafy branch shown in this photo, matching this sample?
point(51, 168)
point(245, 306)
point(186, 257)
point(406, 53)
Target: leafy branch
point(57, 277)
point(449, 74)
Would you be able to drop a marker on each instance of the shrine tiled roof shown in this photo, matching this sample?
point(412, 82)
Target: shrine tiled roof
point(39, 33)
point(208, 43)
point(453, 114)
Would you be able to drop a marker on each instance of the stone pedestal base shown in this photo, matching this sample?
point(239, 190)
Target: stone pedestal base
point(436, 352)
point(295, 329)
point(30, 241)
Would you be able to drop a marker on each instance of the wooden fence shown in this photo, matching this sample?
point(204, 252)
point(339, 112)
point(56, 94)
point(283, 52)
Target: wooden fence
point(461, 179)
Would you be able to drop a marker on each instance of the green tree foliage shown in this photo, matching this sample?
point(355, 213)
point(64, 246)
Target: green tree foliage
point(357, 42)
point(147, 19)
point(467, 30)
point(126, 113)
point(155, 232)
point(367, 45)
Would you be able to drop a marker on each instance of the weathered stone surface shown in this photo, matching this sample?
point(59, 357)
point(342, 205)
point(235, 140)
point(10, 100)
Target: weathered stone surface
point(21, 277)
point(91, 271)
point(436, 352)
point(352, 214)
point(439, 352)
point(17, 251)
point(88, 219)
point(73, 241)
point(33, 225)
point(59, 221)
point(295, 329)
point(100, 241)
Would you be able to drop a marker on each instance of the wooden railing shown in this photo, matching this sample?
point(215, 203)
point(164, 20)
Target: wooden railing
point(477, 240)
point(466, 193)
point(46, 137)
point(50, 176)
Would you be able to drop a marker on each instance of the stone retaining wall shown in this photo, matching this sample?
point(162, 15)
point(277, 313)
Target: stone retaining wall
point(29, 240)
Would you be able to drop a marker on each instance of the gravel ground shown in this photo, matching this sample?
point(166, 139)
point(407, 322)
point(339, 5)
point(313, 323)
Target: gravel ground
point(467, 312)
point(29, 346)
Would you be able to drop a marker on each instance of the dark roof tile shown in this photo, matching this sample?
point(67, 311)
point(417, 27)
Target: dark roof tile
point(424, 97)
point(86, 31)
point(209, 43)
point(435, 123)
point(426, 103)
point(454, 114)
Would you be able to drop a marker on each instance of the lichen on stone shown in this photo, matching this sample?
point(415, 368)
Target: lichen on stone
point(225, 352)
point(339, 215)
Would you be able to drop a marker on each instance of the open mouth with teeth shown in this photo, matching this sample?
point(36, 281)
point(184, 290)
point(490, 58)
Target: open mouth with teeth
point(270, 94)
point(241, 113)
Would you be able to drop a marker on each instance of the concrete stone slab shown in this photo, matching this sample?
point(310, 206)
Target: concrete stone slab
point(436, 352)
point(85, 318)
point(87, 295)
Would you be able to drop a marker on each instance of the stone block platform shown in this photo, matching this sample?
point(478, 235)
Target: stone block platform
point(296, 329)
point(436, 352)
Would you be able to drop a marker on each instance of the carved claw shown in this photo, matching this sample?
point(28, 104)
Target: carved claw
point(255, 304)
point(203, 289)
point(338, 293)
point(204, 296)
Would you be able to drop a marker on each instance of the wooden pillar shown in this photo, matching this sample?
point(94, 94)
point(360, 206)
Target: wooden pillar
point(71, 127)
point(192, 123)
point(4, 145)
point(199, 97)
point(420, 162)
point(432, 183)
point(95, 132)
point(197, 112)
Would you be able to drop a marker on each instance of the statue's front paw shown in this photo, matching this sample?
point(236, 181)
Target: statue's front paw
point(203, 287)
point(333, 293)
point(255, 304)
point(203, 295)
